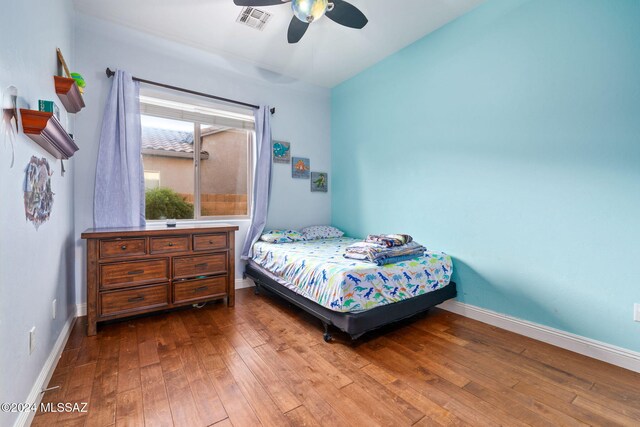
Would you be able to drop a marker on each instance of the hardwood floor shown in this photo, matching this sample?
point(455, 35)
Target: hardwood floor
point(263, 362)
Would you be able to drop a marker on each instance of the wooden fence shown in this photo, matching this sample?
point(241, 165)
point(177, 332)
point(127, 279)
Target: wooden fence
point(220, 204)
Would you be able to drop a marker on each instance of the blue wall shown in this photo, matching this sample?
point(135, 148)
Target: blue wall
point(510, 139)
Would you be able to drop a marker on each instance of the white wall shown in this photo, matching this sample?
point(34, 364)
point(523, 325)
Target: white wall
point(302, 117)
point(35, 266)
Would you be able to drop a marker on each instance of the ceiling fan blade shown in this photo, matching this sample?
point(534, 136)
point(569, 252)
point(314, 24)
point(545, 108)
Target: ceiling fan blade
point(259, 3)
point(347, 14)
point(297, 28)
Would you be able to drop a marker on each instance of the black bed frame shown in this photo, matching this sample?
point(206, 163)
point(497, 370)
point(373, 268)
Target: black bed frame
point(354, 324)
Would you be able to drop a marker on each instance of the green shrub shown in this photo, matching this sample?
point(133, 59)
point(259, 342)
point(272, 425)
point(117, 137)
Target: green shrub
point(164, 202)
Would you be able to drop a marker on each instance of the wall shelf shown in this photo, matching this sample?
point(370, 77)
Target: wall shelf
point(69, 94)
point(45, 129)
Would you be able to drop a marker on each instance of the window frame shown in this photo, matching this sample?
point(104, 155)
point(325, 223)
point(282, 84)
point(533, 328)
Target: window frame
point(197, 147)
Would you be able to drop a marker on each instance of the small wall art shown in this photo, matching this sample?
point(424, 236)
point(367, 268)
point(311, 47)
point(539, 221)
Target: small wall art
point(38, 197)
point(281, 152)
point(319, 181)
point(300, 167)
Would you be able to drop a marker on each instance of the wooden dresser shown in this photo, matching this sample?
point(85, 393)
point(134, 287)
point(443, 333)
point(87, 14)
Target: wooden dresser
point(145, 269)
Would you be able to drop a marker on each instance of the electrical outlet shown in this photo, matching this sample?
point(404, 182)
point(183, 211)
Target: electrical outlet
point(53, 309)
point(32, 340)
point(636, 312)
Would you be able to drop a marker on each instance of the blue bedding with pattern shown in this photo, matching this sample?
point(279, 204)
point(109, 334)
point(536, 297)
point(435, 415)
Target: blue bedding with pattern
point(317, 270)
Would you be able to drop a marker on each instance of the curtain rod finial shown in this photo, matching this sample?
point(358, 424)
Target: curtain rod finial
point(273, 110)
point(109, 72)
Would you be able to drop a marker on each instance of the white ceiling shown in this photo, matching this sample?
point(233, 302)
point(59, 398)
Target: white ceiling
point(327, 55)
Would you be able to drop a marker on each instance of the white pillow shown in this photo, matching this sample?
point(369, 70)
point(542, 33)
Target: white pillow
point(321, 232)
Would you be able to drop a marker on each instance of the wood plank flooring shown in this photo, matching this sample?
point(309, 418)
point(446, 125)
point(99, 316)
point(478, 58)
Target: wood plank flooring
point(264, 362)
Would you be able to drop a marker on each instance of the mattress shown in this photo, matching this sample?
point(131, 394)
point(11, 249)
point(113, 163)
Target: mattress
point(317, 270)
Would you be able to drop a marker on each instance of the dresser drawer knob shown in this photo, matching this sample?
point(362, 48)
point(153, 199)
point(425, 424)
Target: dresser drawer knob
point(134, 272)
point(136, 299)
point(211, 242)
point(123, 247)
point(170, 244)
point(200, 289)
point(203, 264)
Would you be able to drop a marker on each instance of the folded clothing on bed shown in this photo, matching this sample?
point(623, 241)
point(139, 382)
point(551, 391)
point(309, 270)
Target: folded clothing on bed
point(395, 259)
point(389, 240)
point(381, 255)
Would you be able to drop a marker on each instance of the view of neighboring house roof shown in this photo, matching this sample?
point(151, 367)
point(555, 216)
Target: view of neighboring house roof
point(169, 143)
point(167, 140)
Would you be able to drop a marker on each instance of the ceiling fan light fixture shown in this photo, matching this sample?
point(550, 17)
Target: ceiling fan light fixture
point(309, 10)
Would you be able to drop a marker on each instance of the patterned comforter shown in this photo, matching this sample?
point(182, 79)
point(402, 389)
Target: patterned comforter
point(317, 270)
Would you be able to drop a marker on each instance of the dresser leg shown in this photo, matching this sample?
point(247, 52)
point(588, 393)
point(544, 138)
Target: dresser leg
point(92, 285)
point(91, 328)
point(231, 300)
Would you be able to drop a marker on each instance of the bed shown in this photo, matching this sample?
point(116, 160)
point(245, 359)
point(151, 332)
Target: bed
point(353, 296)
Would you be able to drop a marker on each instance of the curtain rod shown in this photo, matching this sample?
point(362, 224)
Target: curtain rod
point(111, 73)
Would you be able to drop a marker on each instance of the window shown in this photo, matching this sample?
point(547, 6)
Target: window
point(215, 182)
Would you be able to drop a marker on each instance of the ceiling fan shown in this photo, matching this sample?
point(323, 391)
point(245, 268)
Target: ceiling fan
point(307, 11)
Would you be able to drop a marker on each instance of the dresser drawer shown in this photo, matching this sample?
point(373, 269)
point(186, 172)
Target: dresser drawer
point(133, 300)
point(185, 267)
point(207, 242)
point(122, 248)
point(192, 290)
point(161, 245)
point(133, 273)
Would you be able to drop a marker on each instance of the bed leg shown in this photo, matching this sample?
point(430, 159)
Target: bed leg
point(327, 335)
point(256, 289)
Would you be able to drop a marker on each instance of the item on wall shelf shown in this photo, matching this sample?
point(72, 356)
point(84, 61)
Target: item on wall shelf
point(69, 89)
point(319, 181)
point(49, 107)
point(47, 131)
point(63, 62)
point(38, 197)
point(281, 152)
point(9, 123)
point(79, 81)
point(300, 167)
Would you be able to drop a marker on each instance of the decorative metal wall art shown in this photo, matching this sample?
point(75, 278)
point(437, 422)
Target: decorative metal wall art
point(38, 197)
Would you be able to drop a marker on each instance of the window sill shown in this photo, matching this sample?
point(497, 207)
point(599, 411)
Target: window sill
point(163, 222)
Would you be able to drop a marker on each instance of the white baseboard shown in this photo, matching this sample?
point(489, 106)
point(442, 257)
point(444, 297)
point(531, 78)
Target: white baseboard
point(81, 309)
point(618, 356)
point(35, 395)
